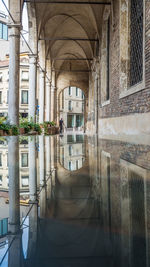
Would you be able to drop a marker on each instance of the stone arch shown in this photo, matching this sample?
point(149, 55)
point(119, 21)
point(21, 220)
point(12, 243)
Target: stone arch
point(75, 84)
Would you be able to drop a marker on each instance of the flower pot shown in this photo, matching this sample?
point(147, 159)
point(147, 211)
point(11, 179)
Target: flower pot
point(57, 130)
point(22, 131)
point(10, 132)
point(1, 133)
point(5, 133)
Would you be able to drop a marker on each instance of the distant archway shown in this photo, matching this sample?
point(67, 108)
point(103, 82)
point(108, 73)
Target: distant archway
point(71, 108)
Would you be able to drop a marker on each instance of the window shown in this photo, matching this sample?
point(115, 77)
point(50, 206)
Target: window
point(25, 76)
point(3, 228)
point(24, 159)
point(25, 181)
point(24, 97)
point(82, 106)
point(77, 165)
point(70, 150)
point(63, 99)
point(0, 97)
point(136, 42)
point(132, 42)
point(0, 159)
point(82, 95)
point(3, 31)
point(69, 90)
point(79, 138)
point(77, 91)
point(70, 165)
point(70, 138)
point(0, 179)
point(1, 76)
point(70, 105)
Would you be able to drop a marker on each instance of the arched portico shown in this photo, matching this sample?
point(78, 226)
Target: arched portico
point(83, 44)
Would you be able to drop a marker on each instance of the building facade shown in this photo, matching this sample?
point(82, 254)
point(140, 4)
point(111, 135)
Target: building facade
point(4, 71)
point(24, 86)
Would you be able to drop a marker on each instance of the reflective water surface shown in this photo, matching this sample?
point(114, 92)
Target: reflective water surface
point(74, 201)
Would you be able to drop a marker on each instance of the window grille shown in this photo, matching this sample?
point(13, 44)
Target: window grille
point(136, 42)
point(0, 159)
point(69, 105)
point(108, 58)
point(0, 97)
point(1, 76)
point(77, 91)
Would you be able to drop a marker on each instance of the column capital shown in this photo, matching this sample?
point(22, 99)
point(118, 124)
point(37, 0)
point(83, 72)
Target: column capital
point(15, 25)
point(42, 73)
point(14, 30)
point(32, 58)
point(53, 88)
point(48, 82)
point(31, 55)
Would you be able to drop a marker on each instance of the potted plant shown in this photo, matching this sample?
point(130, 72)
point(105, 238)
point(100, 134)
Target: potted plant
point(14, 130)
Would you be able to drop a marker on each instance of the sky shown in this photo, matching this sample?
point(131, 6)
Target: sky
point(2, 8)
point(24, 19)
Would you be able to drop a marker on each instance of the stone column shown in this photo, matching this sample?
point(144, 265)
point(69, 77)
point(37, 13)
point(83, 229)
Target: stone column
point(41, 159)
point(48, 162)
point(41, 96)
point(14, 196)
point(15, 251)
point(96, 105)
point(32, 170)
point(32, 85)
point(52, 102)
point(14, 62)
point(42, 178)
point(33, 226)
point(48, 88)
point(85, 112)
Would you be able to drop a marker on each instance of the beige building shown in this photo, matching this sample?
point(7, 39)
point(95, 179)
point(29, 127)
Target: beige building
point(23, 164)
point(4, 71)
point(72, 107)
point(24, 85)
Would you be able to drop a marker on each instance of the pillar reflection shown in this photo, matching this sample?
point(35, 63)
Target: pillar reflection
point(14, 197)
point(32, 170)
point(14, 254)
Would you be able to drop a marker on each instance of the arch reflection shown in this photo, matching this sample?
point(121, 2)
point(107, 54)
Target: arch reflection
point(91, 213)
point(72, 152)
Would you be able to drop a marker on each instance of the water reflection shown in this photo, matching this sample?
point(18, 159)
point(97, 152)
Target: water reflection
point(71, 152)
point(74, 201)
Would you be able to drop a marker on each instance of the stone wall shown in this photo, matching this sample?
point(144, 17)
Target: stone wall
point(124, 100)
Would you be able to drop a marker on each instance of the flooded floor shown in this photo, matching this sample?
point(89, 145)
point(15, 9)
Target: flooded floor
point(74, 201)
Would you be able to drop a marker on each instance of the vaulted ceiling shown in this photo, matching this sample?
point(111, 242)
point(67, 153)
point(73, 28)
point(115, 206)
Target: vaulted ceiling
point(71, 33)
